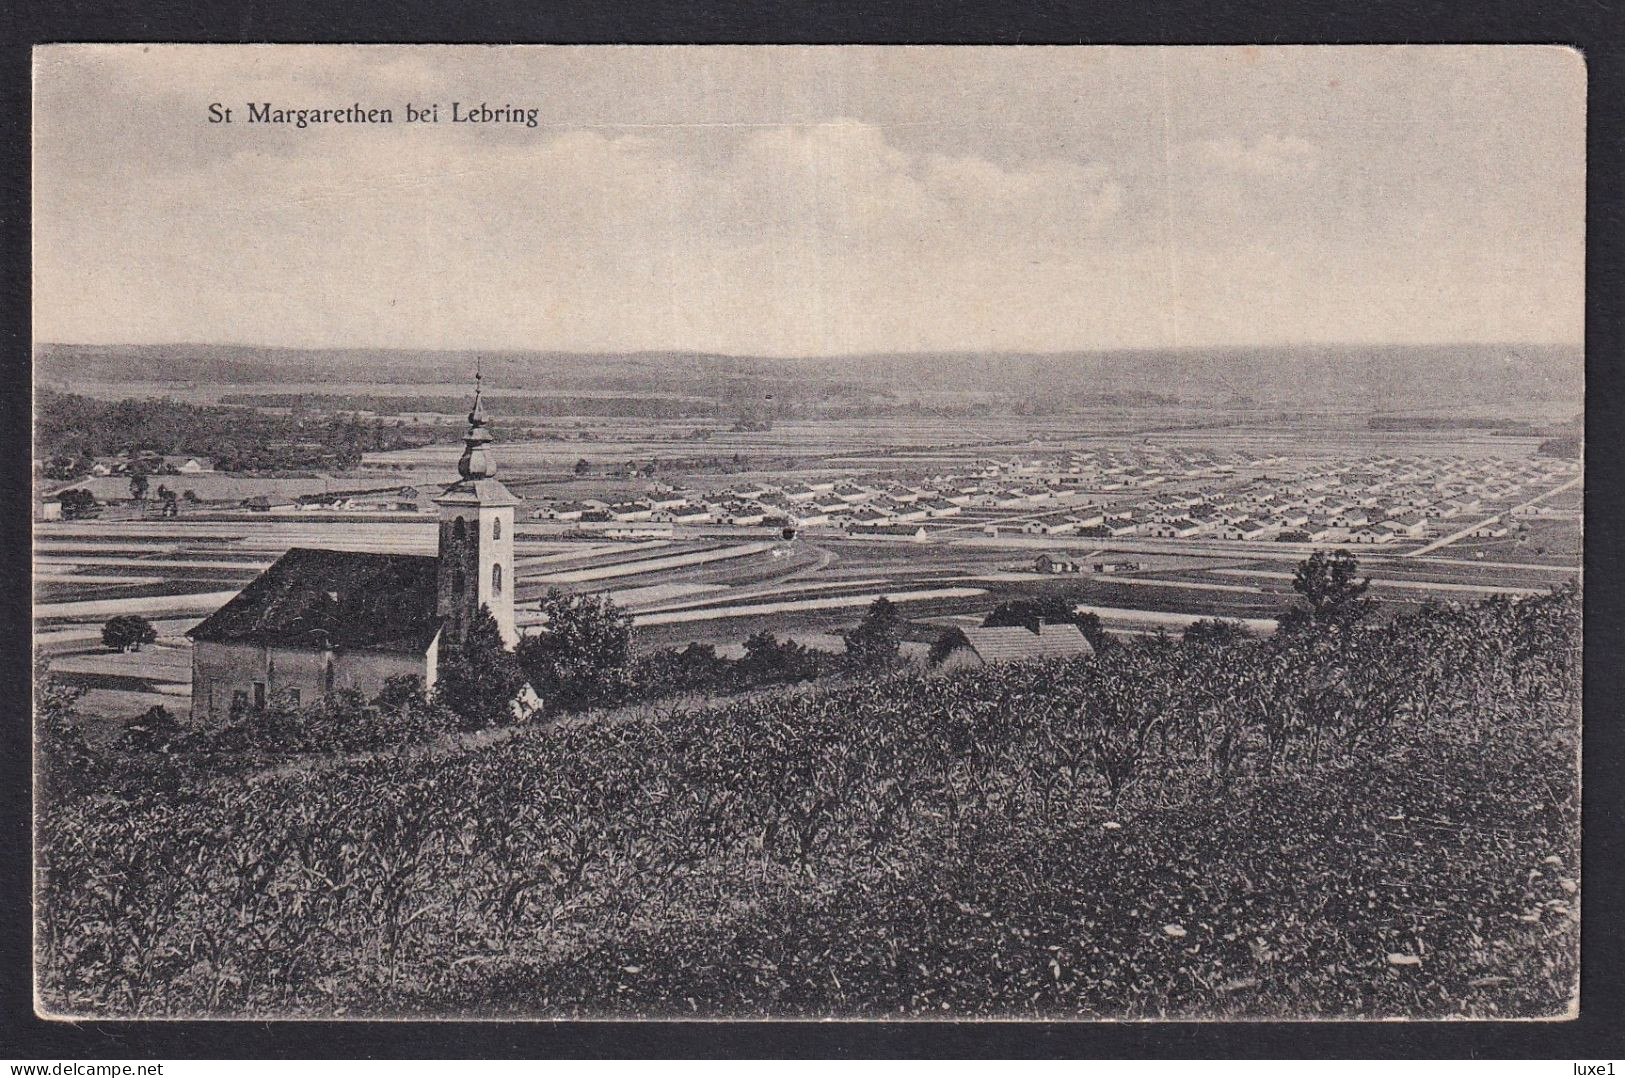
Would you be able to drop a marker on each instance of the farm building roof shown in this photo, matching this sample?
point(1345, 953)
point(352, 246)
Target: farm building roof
point(337, 598)
point(1015, 643)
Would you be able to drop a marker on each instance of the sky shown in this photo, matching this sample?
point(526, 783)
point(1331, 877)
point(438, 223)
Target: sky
point(813, 201)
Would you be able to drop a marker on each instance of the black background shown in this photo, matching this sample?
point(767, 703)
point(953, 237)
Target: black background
point(1593, 27)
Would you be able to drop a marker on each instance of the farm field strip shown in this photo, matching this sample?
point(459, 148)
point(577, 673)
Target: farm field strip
point(652, 595)
point(205, 602)
point(633, 550)
point(59, 577)
point(107, 702)
point(632, 556)
point(774, 567)
point(794, 605)
point(154, 662)
point(1372, 557)
point(771, 591)
point(198, 529)
point(1190, 548)
point(383, 544)
point(108, 546)
point(364, 545)
point(529, 539)
point(677, 561)
point(584, 551)
point(48, 592)
point(150, 564)
point(1112, 615)
point(727, 575)
point(537, 547)
point(894, 571)
point(1140, 581)
point(1565, 562)
point(404, 529)
point(125, 530)
point(63, 638)
point(318, 533)
point(1400, 572)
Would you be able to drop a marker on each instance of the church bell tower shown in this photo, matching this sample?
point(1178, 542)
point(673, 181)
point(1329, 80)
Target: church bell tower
point(476, 538)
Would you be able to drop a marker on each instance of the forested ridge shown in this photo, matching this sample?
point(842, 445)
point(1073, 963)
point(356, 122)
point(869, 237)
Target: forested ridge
point(71, 430)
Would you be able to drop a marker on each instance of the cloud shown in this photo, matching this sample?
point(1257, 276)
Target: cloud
point(591, 237)
point(840, 185)
point(1277, 156)
point(1064, 196)
point(800, 201)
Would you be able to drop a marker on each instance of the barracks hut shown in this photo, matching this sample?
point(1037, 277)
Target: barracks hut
point(321, 620)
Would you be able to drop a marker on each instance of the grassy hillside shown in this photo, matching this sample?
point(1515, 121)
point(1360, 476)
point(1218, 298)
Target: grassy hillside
point(1353, 822)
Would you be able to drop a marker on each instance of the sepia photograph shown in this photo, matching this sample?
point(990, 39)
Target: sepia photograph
point(880, 533)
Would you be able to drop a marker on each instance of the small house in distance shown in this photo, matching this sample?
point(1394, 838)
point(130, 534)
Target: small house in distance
point(182, 465)
point(1117, 566)
point(966, 648)
point(265, 503)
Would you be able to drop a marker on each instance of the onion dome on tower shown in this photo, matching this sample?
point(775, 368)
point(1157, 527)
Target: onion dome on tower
point(476, 463)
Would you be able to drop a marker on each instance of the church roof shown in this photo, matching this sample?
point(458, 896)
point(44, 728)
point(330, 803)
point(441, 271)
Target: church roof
point(333, 598)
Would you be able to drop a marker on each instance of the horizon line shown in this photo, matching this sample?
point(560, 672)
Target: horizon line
point(806, 356)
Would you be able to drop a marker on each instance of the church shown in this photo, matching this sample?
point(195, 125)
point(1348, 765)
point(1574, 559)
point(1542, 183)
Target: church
point(318, 621)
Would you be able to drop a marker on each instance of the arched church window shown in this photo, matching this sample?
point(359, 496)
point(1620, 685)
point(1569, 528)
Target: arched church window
point(496, 527)
point(496, 580)
point(459, 530)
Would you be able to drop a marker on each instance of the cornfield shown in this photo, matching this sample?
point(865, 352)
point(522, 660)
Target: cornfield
point(1365, 820)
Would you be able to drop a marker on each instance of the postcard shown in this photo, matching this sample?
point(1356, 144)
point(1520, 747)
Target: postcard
point(894, 533)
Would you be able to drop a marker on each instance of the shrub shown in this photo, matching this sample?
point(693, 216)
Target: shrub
point(128, 632)
point(153, 731)
point(1220, 632)
point(1330, 589)
point(479, 679)
point(66, 764)
point(340, 722)
point(768, 660)
point(77, 503)
point(876, 641)
point(581, 658)
point(695, 667)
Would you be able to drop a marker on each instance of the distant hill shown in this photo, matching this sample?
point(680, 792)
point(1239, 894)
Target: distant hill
point(1376, 377)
